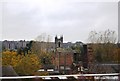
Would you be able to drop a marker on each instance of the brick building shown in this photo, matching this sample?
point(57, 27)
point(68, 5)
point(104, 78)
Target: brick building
point(67, 61)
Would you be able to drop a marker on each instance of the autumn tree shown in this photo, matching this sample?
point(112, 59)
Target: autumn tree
point(23, 65)
point(43, 42)
point(40, 47)
point(29, 65)
point(103, 44)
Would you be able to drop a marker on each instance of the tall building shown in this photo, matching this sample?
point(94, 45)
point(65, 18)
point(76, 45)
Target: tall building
point(14, 45)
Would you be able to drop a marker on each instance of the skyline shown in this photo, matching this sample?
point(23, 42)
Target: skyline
point(72, 19)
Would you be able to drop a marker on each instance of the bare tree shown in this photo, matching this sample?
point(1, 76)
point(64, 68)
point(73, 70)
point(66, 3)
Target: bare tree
point(107, 36)
point(41, 46)
point(104, 46)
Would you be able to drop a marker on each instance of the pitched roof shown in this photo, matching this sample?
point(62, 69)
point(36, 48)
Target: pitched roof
point(8, 71)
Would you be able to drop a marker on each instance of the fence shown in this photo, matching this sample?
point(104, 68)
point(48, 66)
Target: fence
point(75, 77)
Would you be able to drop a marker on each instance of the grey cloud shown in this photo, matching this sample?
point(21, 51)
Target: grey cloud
point(73, 20)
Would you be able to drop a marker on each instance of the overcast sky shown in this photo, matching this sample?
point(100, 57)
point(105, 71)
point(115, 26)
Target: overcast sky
point(71, 18)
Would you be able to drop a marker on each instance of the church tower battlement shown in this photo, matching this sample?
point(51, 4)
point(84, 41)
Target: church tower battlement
point(58, 42)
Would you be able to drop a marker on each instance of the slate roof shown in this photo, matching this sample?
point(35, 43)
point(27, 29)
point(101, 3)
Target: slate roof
point(8, 71)
point(106, 68)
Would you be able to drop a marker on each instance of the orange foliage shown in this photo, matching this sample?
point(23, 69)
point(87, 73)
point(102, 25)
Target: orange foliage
point(23, 65)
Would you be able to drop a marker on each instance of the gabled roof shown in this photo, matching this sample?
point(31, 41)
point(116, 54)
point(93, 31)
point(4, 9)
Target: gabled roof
point(8, 71)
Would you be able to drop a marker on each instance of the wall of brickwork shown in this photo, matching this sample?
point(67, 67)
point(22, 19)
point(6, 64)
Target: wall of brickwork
point(63, 59)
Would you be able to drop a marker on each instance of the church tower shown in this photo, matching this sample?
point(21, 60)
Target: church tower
point(58, 42)
point(58, 52)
